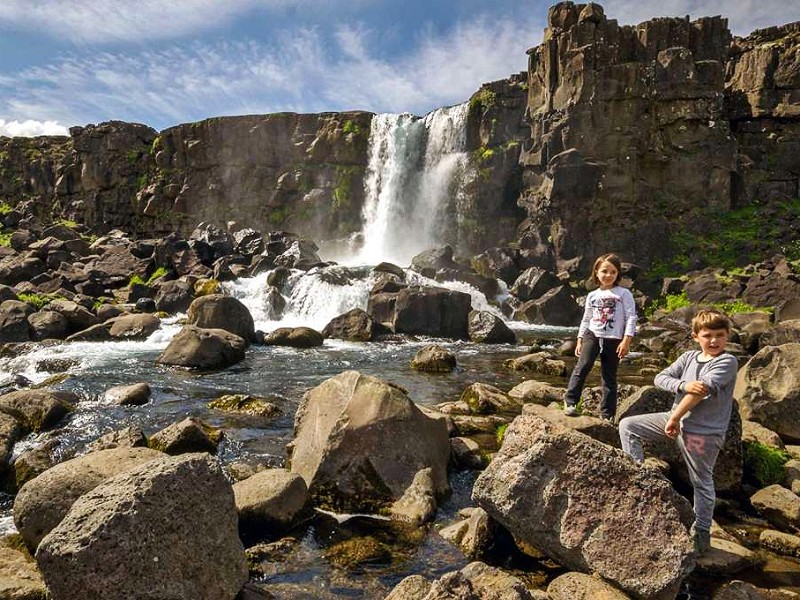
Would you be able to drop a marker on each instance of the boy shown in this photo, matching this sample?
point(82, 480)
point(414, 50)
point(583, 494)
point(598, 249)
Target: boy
point(702, 382)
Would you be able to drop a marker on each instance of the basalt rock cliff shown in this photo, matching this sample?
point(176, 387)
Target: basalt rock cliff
point(616, 138)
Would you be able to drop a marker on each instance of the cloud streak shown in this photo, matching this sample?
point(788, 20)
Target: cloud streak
point(303, 70)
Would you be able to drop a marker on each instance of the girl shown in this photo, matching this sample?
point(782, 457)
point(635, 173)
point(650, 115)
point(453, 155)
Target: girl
point(607, 327)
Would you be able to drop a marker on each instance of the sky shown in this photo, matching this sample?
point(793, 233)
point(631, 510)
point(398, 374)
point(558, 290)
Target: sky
point(165, 62)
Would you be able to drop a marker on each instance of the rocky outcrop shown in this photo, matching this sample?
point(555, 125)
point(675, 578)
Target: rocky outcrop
point(627, 126)
point(359, 442)
point(588, 506)
point(166, 529)
point(762, 87)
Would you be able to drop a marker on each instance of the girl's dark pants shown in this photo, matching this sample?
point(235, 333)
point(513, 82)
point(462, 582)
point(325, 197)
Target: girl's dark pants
point(609, 361)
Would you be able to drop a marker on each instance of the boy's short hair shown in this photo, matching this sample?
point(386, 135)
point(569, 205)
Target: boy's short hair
point(710, 319)
point(611, 258)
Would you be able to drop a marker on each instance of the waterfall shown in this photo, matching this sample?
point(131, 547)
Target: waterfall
point(412, 176)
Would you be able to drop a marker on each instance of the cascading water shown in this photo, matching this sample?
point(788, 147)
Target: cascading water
point(413, 173)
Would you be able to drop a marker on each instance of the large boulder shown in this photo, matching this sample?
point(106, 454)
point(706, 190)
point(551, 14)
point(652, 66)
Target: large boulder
point(588, 507)
point(216, 311)
point(133, 326)
point(354, 325)
point(360, 441)
point(44, 501)
point(199, 348)
point(14, 325)
point(486, 328)
point(418, 310)
point(37, 410)
point(270, 498)
point(554, 307)
point(768, 390)
point(295, 337)
point(165, 529)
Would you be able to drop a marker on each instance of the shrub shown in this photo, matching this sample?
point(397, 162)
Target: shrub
point(764, 463)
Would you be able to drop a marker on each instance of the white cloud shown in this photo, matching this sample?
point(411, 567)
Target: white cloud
point(304, 70)
point(97, 21)
point(31, 128)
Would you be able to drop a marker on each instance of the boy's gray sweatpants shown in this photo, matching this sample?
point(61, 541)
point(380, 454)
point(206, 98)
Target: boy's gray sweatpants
point(699, 452)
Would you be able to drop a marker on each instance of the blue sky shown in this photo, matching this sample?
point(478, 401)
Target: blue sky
point(159, 62)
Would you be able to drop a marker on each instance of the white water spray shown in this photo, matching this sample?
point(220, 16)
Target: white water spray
point(412, 177)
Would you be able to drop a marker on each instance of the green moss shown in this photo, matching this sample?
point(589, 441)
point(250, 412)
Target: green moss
point(278, 216)
point(5, 239)
point(350, 127)
point(36, 300)
point(136, 280)
point(764, 463)
point(156, 145)
point(141, 181)
point(5, 208)
point(343, 189)
point(159, 272)
point(483, 153)
point(501, 433)
point(67, 223)
point(482, 100)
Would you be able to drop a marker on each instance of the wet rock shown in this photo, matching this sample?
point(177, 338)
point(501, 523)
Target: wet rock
point(216, 311)
point(301, 254)
point(476, 534)
point(356, 551)
point(553, 488)
point(467, 453)
point(417, 505)
point(37, 410)
point(533, 283)
point(296, 337)
point(135, 394)
point(413, 587)
point(44, 501)
point(189, 435)
point(434, 359)
point(33, 462)
point(274, 303)
point(345, 451)
point(198, 348)
point(245, 404)
point(486, 328)
point(766, 389)
point(416, 310)
point(354, 325)
point(105, 547)
point(270, 498)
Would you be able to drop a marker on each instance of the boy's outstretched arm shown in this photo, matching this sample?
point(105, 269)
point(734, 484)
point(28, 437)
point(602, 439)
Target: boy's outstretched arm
point(673, 426)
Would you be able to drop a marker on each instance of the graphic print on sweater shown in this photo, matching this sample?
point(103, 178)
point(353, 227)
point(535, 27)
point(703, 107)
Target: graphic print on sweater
point(604, 311)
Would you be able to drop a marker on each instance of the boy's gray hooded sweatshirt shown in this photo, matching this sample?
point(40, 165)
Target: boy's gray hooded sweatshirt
point(712, 415)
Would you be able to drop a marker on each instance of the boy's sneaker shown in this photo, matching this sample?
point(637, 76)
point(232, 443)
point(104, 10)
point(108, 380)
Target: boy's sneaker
point(702, 541)
point(570, 410)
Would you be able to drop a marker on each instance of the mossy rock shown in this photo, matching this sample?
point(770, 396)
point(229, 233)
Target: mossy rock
point(205, 287)
point(358, 550)
point(245, 404)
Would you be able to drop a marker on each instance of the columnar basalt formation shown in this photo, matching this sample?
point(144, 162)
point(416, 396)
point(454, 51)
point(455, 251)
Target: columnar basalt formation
point(628, 135)
point(763, 93)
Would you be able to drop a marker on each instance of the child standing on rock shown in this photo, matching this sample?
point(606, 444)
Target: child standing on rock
point(703, 383)
point(607, 328)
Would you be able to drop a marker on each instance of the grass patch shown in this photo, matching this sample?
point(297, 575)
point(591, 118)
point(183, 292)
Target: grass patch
point(482, 100)
point(36, 300)
point(136, 280)
point(5, 239)
point(159, 272)
point(740, 237)
point(764, 463)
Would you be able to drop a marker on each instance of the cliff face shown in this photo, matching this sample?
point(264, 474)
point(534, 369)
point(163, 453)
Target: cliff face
point(628, 135)
point(763, 99)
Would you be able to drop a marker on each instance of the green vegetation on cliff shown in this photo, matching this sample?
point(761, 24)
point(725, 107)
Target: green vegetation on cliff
point(735, 238)
point(764, 463)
